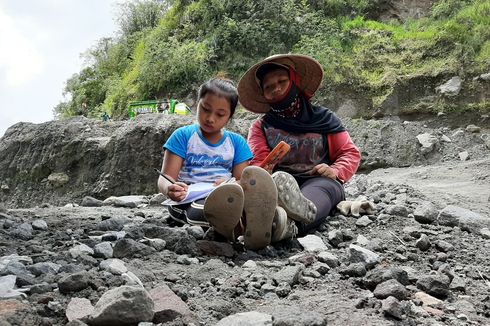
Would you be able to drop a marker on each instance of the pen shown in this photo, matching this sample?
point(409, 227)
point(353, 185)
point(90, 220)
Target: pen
point(163, 175)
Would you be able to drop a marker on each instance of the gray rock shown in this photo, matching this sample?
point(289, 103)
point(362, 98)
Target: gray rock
point(124, 305)
point(335, 237)
point(114, 266)
point(362, 240)
point(13, 258)
point(288, 274)
point(113, 224)
point(158, 244)
point(383, 218)
point(249, 264)
point(214, 248)
point(127, 201)
point(44, 268)
point(423, 243)
point(446, 139)
point(113, 235)
point(361, 255)
point(157, 199)
point(283, 289)
point(450, 88)
point(321, 268)
point(473, 129)
point(78, 308)
point(169, 306)
point(464, 218)
point(88, 201)
point(130, 248)
point(464, 307)
point(381, 274)
point(425, 213)
point(428, 142)
point(412, 273)
point(251, 318)
point(40, 225)
point(458, 284)
point(8, 223)
point(41, 288)
point(196, 231)
point(299, 318)
point(427, 300)
point(103, 250)
point(392, 307)
point(444, 246)
point(14, 267)
point(23, 231)
point(363, 221)
point(354, 270)
point(58, 179)
point(485, 233)
point(397, 210)
point(434, 284)
point(185, 260)
point(312, 243)
point(484, 76)
point(328, 258)
point(391, 288)
point(81, 249)
point(74, 282)
point(464, 155)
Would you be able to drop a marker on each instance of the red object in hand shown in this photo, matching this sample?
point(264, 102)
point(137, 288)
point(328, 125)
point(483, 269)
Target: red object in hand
point(275, 156)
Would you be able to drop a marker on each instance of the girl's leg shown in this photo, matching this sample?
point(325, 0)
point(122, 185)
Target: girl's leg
point(178, 213)
point(259, 206)
point(195, 214)
point(325, 193)
point(223, 209)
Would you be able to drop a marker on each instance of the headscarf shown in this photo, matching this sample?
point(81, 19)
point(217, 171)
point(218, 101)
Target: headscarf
point(295, 113)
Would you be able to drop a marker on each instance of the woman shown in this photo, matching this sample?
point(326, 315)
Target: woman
point(322, 158)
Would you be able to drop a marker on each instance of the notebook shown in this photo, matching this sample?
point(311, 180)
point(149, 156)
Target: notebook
point(194, 192)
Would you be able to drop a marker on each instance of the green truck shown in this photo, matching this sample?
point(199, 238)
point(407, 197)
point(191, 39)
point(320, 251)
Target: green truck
point(157, 106)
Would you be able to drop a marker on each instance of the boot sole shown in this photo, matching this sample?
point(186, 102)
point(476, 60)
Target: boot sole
point(260, 205)
point(223, 209)
point(297, 206)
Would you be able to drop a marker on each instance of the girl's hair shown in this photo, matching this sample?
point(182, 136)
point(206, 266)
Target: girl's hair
point(221, 87)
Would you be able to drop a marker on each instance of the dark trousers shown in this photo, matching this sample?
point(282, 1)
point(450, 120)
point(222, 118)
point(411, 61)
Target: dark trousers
point(188, 212)
point(325, 193)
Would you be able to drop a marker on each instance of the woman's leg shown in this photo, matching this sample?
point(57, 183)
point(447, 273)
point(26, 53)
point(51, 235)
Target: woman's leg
point(325, 193)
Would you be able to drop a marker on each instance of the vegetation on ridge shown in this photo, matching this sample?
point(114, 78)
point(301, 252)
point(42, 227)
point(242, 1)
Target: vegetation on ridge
point(167, 48)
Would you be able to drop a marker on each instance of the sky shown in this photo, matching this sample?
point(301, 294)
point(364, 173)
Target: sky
point(41, 42)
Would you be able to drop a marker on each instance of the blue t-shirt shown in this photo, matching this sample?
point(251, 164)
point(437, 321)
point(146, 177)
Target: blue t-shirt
point(203, 161)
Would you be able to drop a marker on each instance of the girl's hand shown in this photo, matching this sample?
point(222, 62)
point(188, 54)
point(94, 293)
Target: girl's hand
point(218, 182)
point(324, 170)
point(177, 191)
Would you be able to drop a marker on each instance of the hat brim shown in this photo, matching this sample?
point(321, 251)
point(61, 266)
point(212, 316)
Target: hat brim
point(250, 92)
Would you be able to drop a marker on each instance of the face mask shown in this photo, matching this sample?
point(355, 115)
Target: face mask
point(289, 105)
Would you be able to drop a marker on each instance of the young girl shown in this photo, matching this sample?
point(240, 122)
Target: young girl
point(206, 152)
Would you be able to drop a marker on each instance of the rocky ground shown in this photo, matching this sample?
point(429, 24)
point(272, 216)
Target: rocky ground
point(420, 259)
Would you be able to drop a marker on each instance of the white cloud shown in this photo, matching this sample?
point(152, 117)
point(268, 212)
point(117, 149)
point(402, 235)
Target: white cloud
point(40, 46)
point(20, 59)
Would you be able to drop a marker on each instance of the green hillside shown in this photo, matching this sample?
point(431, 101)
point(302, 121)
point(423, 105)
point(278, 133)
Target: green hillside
point(167, 48)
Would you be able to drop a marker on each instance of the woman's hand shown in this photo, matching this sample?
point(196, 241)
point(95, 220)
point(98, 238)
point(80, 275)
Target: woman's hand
point(177, 191)
point(324, 170)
